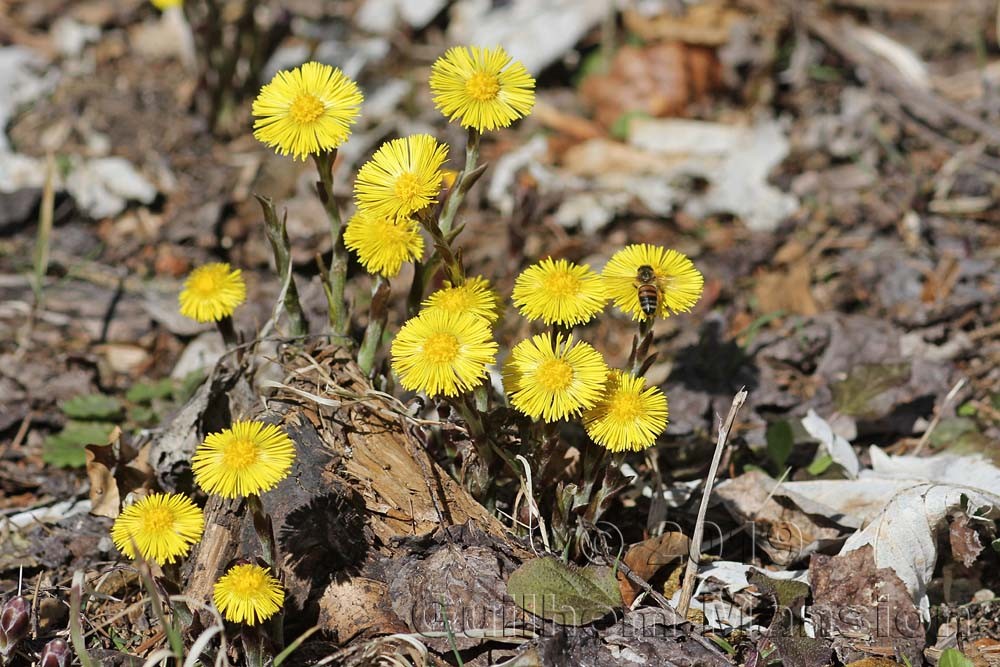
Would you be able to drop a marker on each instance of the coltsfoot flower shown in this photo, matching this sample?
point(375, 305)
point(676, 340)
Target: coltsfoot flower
point(382, 244)
point(554, 380)
point(677, 282)
point(557, 291)
point(403, 176)
point(629, 415)
point(307, 110)
point(442, 353)
point(212, 292)
point(162, 525)
point(247, 458)
point(473, 296)
point(248, 594)
point(484, 88)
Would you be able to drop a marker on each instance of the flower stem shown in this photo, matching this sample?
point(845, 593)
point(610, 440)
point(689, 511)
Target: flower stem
point(277, 235)
point(377, 316)
point(339, 320)
point(264, 529)
point(460, 187)
point(228, 331)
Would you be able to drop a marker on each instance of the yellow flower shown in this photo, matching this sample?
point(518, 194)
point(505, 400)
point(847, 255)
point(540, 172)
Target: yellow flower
point(162, 525)
point(438, 352)
point(307, 110)
point(248, 594)
point(164, 4)
point(212, 292)
point(558, 291)
point(483, 87)
point(246, 458)
point(402, 177)
point(473, 296)
point(383, 244)
point(677, 282)
point(628, 416)
point(554, 381)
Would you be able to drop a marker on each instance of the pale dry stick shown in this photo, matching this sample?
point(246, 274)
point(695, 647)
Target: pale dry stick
point(533, 507)
point(945, 404)
point(694, 554)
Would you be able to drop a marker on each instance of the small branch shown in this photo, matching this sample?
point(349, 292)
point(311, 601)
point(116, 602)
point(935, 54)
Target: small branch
point(694, 555)
point(945, 404)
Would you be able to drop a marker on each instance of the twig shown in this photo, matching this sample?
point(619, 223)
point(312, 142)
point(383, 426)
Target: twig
point(694, 554)
point(945, 404)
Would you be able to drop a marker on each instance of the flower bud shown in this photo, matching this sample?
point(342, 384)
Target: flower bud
point(55, 654)
point(15, 618)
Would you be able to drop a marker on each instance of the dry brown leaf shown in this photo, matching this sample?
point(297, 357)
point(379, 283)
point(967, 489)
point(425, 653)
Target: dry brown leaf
point(101, 463)
point(658, 80)
point(965, 544)
point(882, 618)
point(648, 557)
point(787, 290)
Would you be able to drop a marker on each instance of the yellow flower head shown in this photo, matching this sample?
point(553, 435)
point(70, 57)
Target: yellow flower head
point(628, 416)
point(442, 353)
point(162, 525)
point(383, 244)
point(212, 292)
point(307, 110)
point(248, 594)
point(677, 282)
point(402, 177)
point(246, 458)
point(164, 4)
point(558, 291)
point(473, 296)
point(554, 381)
point(485, 88)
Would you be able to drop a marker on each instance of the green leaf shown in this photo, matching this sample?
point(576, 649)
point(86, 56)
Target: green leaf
point(779, 443)
point(820, 465)
point(66, 448)
point(189, 385)
point(143, 415)
point(147, 392)
point(563, 593)
point(864, 384)
point(93, 406)
point(953, 658)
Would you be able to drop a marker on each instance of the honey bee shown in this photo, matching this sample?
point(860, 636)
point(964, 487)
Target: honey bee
point(647, 290)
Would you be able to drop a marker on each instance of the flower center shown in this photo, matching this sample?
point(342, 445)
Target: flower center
point(306, 108)
point(482, 87)
point(240, 454)
point(157, 520)
point(407, 187)
point(625, 407)
point(206, 283)
point(562, 284)
point(454, 300)
point(247, 583)
point(394, 234)
point(554, 374)
point(441, 348)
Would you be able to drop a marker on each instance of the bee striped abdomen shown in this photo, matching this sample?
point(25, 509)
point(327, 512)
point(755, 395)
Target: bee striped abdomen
point(649, 297)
